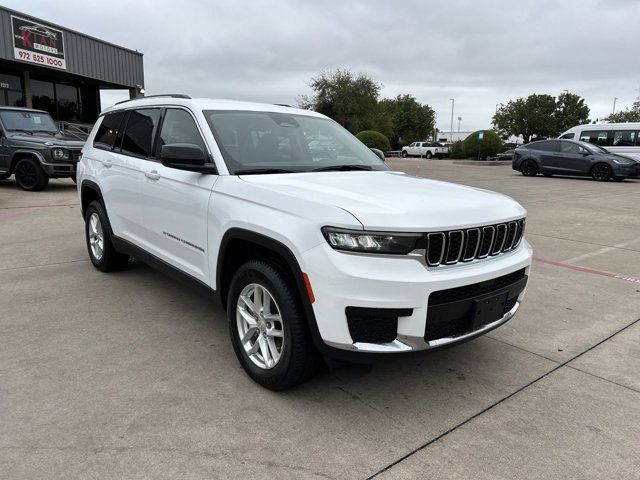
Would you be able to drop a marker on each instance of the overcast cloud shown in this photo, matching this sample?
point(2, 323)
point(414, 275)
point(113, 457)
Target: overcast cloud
point(480, 52)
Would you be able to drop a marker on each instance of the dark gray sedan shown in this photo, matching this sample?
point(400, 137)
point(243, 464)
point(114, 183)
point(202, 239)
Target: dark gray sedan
point(569, 157)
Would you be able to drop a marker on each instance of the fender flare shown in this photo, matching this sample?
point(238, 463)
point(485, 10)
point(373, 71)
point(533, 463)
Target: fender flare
point(283, 251)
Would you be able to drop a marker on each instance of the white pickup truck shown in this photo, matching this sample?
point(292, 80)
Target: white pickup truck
point(424, 149)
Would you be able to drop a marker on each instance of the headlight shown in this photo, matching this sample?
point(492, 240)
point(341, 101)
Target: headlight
point(371, 242)
point(623, 161)
point(60, 154)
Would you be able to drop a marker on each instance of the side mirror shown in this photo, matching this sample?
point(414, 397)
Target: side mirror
point(185, 156)
point(585, 154)
point(379, 153)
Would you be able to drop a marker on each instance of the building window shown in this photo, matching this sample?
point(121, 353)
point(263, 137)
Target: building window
point(61, 100)
point(11, 90)
point(43, 97)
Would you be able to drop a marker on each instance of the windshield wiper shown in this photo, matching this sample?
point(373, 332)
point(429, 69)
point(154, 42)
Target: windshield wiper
point(257, 171)
point(21, 130)
point(341, 168)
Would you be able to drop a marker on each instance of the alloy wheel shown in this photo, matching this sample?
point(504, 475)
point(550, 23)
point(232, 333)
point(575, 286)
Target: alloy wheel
point(96, 236)
point(260, 327)
point(528, 168)
point(27, 174)
point(601, 172)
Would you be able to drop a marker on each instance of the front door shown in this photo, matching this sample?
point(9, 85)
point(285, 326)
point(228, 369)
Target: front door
point(175, 202)
point(572, 158)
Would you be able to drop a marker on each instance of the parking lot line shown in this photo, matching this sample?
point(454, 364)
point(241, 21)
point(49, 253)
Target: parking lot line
point(578, 268)
point(30, 210)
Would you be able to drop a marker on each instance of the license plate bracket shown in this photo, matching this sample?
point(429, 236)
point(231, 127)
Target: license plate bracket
point(488, 309)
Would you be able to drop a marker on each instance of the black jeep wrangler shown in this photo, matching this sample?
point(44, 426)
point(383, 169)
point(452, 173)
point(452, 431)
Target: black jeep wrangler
point(33, 149)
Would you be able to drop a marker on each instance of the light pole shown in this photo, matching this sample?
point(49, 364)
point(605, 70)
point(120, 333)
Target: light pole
point(459, 120)
point(451, 131)
point(614, 105)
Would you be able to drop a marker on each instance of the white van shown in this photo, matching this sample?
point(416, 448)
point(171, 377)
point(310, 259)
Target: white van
point(619, 138)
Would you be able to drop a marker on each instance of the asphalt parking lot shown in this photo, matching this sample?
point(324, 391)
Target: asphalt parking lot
point(132, 375)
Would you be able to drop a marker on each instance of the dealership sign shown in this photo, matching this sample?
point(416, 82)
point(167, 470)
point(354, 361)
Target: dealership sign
point(37, 43)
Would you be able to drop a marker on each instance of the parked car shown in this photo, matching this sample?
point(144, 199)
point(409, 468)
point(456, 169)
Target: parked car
point(619, 138)
point(506, 155)
point(311, 254)
point(33, 149)
point(424, 149)
point(568, 157)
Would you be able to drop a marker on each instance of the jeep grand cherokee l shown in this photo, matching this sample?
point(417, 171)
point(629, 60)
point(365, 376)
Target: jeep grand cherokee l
point(313, 252)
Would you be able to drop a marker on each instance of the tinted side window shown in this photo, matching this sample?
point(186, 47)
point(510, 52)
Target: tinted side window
point(549, 146)
point(568, 147)
point(597, 137)
point(570, 136)
point(108, 130)
point(139, 132)
point(624, 138)
point(179, 126)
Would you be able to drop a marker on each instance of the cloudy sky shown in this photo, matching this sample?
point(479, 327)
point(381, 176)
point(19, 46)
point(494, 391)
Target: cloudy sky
point(479, 52)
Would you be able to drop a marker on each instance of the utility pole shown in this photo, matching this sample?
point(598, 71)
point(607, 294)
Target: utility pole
point(614, 105)
point(459, 120)
point(451, 131)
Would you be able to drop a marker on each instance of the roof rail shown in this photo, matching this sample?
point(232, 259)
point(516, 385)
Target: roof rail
point(167, 95)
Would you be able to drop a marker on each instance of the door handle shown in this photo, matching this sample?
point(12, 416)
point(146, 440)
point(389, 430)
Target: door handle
point(107, 163)
point(153, 175)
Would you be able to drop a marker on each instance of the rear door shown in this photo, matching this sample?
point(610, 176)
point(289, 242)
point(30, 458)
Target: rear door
point(175, 202)
point(548, 152)
point(119, 176)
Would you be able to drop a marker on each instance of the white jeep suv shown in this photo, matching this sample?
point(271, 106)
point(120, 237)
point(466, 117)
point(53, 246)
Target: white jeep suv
point(313, 246)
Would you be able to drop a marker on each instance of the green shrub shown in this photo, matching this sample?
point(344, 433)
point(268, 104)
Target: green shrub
point(489, 146)
point(373, 139)
point(456, 150)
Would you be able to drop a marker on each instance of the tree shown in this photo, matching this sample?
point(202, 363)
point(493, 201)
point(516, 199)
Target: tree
point(410, 120)
point(571, 110)
point(540, 115)
point(350, 99)
point(629, 115)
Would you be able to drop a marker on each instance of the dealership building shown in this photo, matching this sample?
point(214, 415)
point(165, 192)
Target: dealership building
point(53, 68)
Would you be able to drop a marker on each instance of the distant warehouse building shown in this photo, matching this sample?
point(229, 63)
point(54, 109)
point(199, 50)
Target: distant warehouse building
point(52, 68)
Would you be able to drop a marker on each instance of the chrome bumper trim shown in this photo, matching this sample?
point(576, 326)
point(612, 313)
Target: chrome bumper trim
point(405, 343)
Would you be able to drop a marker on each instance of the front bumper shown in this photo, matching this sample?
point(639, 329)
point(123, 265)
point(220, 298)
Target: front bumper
point(403, 283)
point(621, 171)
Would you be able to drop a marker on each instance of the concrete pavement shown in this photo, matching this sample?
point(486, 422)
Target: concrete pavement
point(131, 375)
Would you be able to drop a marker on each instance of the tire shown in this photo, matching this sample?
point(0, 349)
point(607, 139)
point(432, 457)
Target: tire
point(30, 176)
point(529, 168)
point(428, 156)
point(601, 172)
point(618, 179)
point(97, 232)
point(404, 154)
point(548, 174)
point(297, 359)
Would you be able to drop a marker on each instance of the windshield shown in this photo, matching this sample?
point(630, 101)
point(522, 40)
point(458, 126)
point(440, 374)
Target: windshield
point(270, 142)
point(19, 121)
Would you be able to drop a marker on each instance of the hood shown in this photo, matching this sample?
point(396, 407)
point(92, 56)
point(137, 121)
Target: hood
point(58, 140)
point(386, 200)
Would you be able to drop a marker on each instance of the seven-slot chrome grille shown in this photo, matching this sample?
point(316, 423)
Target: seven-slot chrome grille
point(466, 245)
